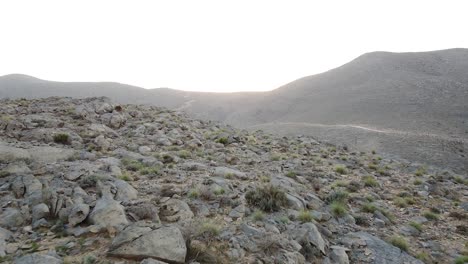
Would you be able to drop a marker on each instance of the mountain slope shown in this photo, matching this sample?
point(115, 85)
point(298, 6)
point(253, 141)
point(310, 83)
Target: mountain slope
point(408, 105)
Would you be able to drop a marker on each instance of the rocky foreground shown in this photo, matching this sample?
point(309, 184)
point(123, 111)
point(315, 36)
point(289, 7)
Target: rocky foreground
point(87, 181)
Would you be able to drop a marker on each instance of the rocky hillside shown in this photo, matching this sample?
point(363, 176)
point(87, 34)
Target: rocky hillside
point(407, 105)
point(88, 181)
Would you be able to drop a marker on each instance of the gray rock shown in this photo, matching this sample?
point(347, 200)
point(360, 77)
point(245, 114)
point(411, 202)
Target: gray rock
point(50, 154)
point(174, 210)
point(11, 154)
point(228, 173)
point(11, 217)
point(5, 234)
point(165, 243)
point(378, 251)
point(152, 261)
point(308, 233)
point(287, 257)
point(40, 211)
point(113, 120)
point(108, 212)
point(37, 258)
point(144, 150)
point(78, 214)
point(295, 201)
point(2, 248)
point(338, 255)
point(125, 192)
point(238, 212)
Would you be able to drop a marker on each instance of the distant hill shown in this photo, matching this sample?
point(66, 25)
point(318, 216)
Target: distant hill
point(408, 105)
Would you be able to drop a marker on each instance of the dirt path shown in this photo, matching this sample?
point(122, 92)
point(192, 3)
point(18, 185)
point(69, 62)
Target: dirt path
point(364, 127)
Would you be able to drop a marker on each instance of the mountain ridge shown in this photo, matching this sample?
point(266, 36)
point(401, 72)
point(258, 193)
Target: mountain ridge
point(414, 92)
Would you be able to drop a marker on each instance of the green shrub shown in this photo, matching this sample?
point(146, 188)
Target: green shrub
point(305, 216)
point(209, 229)
point(338, 209)
point(268, 198)
point(4, 174)
point(184, 154)
point(223, 140)
point(423, 256)
point(219, 191)
point(431, 216)
point(340, 170)
point(370, 181)
point(417, 182)
point(399, 242)
point(194, 194)
point(418, 226)
point(258, 215)
point(337, 196)
point(125, 176)
point(133, 165)
point(369, 208)
point(461, 260)
point(291, 174)
point(420, 171)
point(62, 138)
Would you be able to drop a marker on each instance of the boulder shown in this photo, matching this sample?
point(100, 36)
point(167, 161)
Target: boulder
point(78, 214)
point(375, 250)
point(164, 243)
point(174, 210)
point(108, 212)
point(306, 234)
point(229, 173)
point(11, 217)
point(37, 258)
point(125, 192)
point(40, 211)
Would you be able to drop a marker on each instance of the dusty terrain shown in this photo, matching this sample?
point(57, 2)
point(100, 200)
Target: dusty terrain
point(92, 181)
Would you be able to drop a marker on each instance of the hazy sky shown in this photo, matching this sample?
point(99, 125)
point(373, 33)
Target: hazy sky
point(214, 45)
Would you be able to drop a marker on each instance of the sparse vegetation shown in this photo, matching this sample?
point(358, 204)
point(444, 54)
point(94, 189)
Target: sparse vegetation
point(291, 174)
point(338, 209)
point(194, 193)
point(370, 181)
point(62, 138)
point(223, 141)
point(417, 226)
point(337, 196)
point(305, 216)
point(340, 170)
point(268, 198)
point(258, 215)
point(461, 260)
point(399, 242)
point(431, 216)
point(369, 208)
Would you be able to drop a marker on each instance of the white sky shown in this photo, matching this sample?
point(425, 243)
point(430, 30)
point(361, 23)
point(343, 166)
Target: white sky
point(214, 45)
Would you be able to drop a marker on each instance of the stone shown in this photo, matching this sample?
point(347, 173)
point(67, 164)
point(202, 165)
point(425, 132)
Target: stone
point(164, 243)
point(378, 251)
point(152, 261)
point(11, 217)
point(108, 212)
point(338, 255)
point(37, 258)
point(125, 192)
point(174, 210)
point(229, 173)
point(78, 214)
point(308, 233)
point(40, 211)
